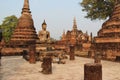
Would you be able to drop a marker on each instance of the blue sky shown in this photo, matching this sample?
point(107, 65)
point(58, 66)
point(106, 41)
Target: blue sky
point(58, 14)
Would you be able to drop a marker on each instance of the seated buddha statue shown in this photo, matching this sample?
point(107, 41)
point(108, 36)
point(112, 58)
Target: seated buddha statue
point(44, 35)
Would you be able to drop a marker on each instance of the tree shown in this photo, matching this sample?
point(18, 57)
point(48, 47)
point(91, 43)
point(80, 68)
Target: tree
point(8, 25)
point(98, 9)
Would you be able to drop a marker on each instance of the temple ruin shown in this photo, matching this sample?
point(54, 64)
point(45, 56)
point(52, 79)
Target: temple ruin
point(24, 33)
point(81, 41)
point(107, 42)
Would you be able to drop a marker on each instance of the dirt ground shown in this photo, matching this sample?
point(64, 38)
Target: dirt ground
point(16, 68)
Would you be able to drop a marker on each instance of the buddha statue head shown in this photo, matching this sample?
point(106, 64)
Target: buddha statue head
point(44, 26)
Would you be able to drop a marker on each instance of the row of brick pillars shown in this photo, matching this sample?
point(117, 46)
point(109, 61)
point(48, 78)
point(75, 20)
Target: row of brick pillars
point(47, 61)
point(92, 71)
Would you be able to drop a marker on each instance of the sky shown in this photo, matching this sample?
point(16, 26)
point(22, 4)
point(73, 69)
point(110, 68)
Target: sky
point(58, 14)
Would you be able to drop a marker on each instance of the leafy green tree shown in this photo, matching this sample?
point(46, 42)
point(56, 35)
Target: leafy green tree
point(8, 25)
point(98, 9)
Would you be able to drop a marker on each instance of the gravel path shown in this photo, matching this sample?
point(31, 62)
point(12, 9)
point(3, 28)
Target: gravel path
point(16, 68)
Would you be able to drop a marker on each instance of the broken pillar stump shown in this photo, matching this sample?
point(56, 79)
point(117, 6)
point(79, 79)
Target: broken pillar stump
point(0, 44)
point(72, 55)
point(47, 65)
point(25, 55)
point(32, 52)
point(97, 58)
point(91, 53)
point(0, 58)
point(117, 58)
point(92, 71)
point(0, 53)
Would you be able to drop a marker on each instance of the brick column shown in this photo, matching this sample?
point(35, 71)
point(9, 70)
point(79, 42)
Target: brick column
point(0, 44)
point(97, 57)
point(92, 71)
point(0, 57)
point(72, 55)
point(32, 51)
point(91, 53)
point(47, 65)
point(0, 53)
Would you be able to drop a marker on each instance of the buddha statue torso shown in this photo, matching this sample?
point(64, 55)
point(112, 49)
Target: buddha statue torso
point(44, 35)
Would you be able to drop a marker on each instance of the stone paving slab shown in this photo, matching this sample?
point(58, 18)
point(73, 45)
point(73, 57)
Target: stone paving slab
point(16, 68)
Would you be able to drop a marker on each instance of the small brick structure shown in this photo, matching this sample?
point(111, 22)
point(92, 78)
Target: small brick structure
point(72, 55)
point(92, 71)
point(47, 65)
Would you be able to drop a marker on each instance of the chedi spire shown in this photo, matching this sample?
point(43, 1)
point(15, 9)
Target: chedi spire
point(26, 8)
point(74, 24)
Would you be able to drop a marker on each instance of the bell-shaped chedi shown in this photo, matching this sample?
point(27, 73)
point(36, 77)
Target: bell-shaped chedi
point(108, 39)
point(25, 35)
point(25, 30)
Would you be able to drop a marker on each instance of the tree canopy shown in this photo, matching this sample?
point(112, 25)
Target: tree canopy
point(98, 9)
point(8, 25)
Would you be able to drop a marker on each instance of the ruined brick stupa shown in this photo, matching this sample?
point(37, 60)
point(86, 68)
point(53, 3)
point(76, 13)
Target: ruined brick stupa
point(24, 35)
point(108, 39)
point(25, 32)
